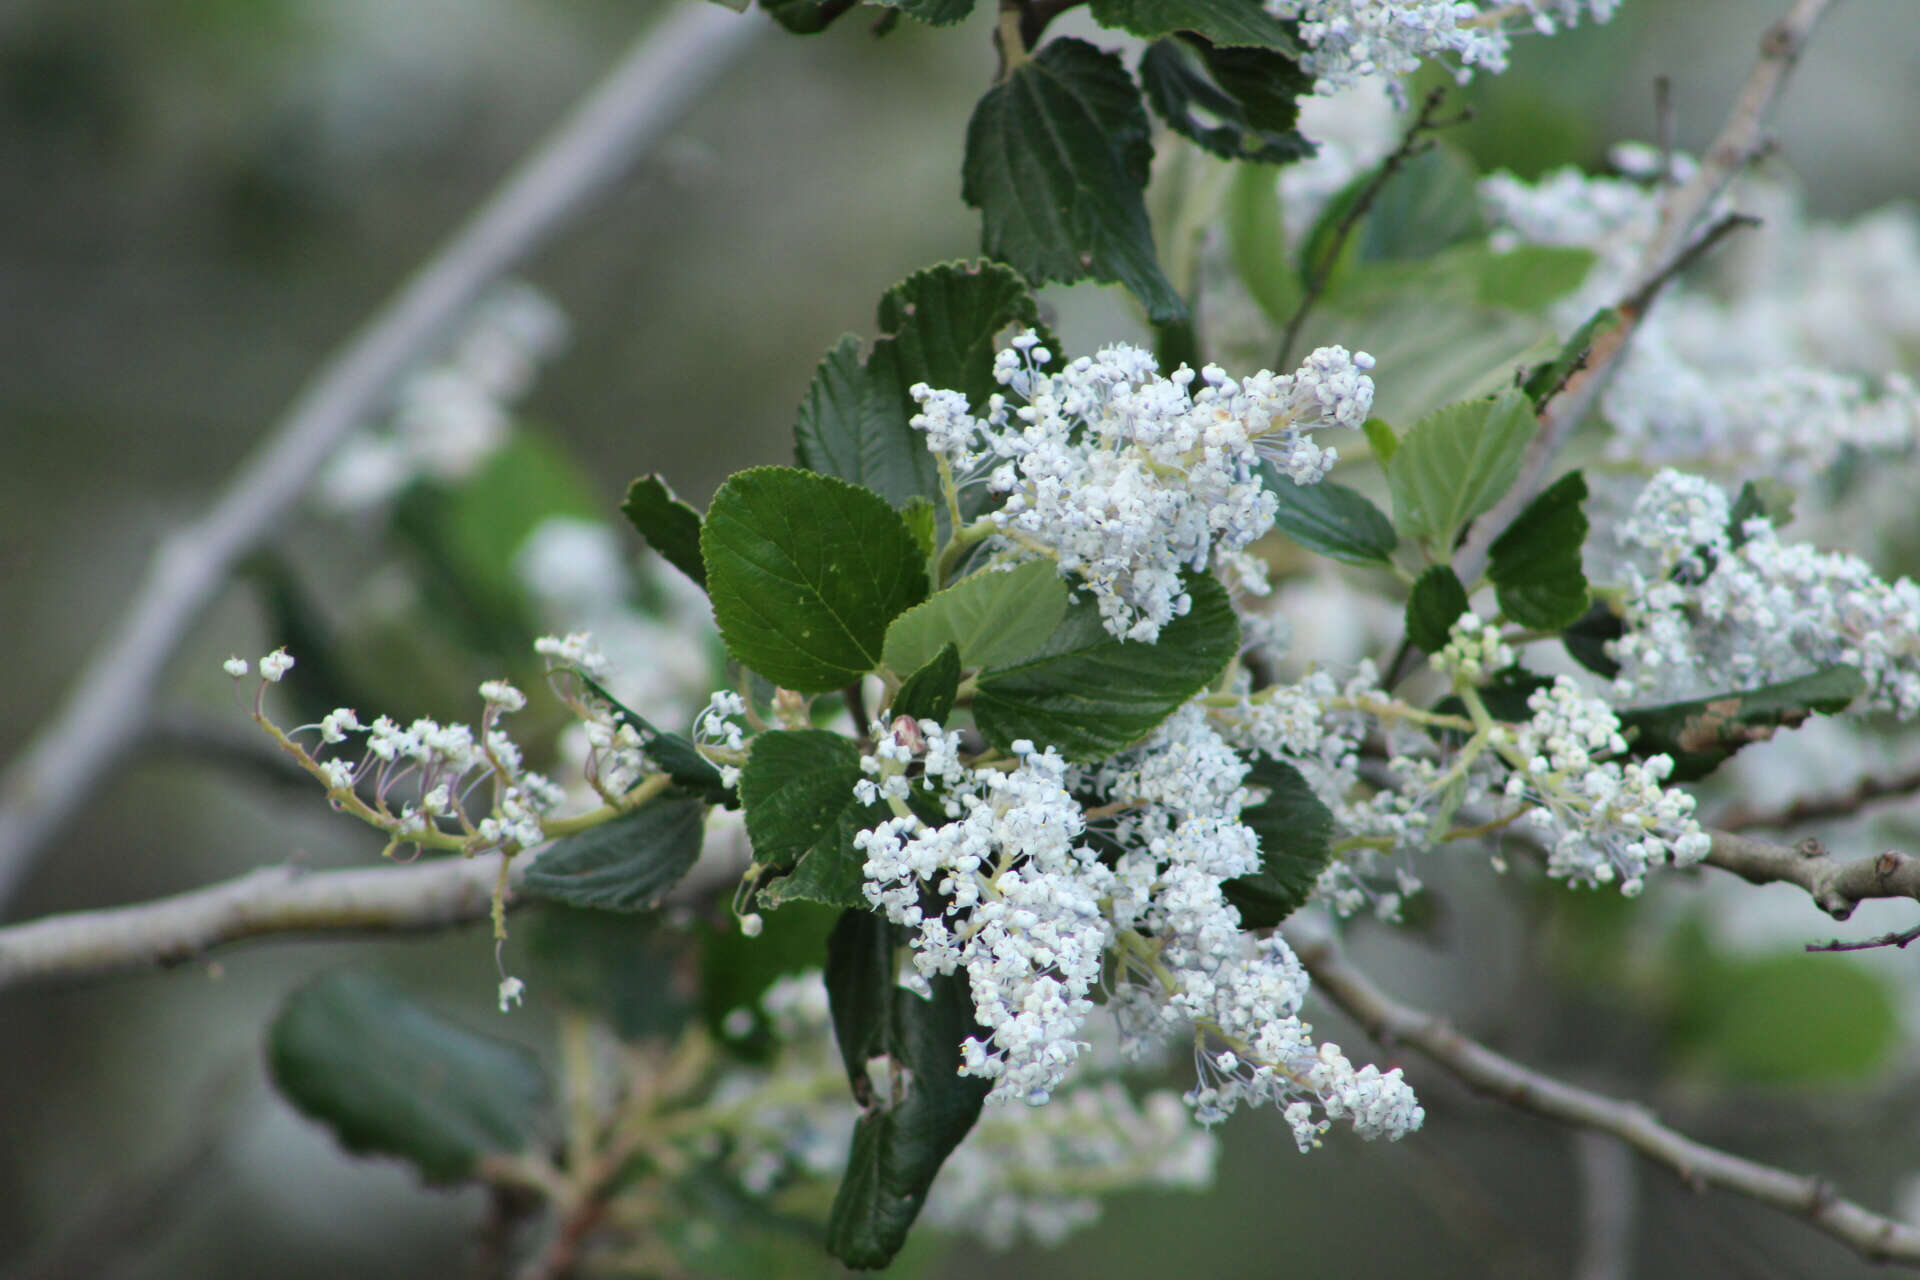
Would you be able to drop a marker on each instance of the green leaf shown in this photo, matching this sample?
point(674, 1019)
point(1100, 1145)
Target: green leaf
point(676, 755)
point(1224, 22)
point(1431, 204)
point(806, 17)
point(1586, 639)
point(1435, 604)
point(805, 572)
point(1380, 435)
point(1256, 237)
point(391, 1077)
point(923, 521)
point(1699, 734)
point(1535, 562)
point(1533, 276)
point(1331, 519)
point(937, 13)
point(1089, 694)
point(937, 326)
point(1057, 160)
point(1544, 381)
point(797, 791)
point(624, 864)
point(735, 970)
point(994, 617)
point(1456, 463)
point(1238, 104)
point(670, 526)
point(468, 535)
point(930, 692)
point(1296, 843)
point(612, 963)
point(898, 1146)
point(1727, 1017)
point(1765, 499)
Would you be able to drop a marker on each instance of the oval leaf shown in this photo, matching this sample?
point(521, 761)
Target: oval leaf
point(1434, 605)
point(1089, 694)
point(625, 864)
point(1535, 562)
point(1331, 519)
point(670, 526)
point(994, 618)
point(930, 692)
point(1057, 160)
point(1296, 843)
point(1702, 732)
point(1456, 463)
point(805, 572)
point(391, 1077)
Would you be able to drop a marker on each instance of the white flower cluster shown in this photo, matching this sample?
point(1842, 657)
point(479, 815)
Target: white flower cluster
point(1473, 650)
point(1704, 616)
point(1030, 909)
point(1602, 820)
point(1022, 913)
point(1348, 40)
point(1792, 352)
point(1126, 478)
point(450, 417)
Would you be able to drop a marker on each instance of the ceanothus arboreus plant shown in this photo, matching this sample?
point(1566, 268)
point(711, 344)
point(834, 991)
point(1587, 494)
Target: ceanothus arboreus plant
point(1004, 749)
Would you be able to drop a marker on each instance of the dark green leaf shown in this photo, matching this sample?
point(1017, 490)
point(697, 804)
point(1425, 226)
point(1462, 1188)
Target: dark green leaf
point(676, 755)
point(1256, 237)
point(1089, 695)
point(625, 864)
point(391, 1077)
point(1236, 103)
point(1532, 276)
point(1701, 733)
point(1535, 562)
point(618, 965)
point(1224, 22)
point(1456, 463)
point(1544, 381)
point(1331, 519)
point(735, 970)
point(670, 526)
point(994, 617)
point(797, 791)
point(929, 693)
point(1764, 499)
point(806, 17)
point(805, 572)
point(1586, 639)
point(937, 326)
point(1435, 604)
point(1057, 159)
point(1296, 835)
point(898, 1146)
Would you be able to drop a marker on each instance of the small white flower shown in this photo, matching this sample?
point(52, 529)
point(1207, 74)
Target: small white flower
point(236, 667)
point(498, 693)
point(511, 992)
point(751, 924)
point(276, 665)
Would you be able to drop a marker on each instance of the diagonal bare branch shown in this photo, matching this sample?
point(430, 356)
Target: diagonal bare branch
point(1878, 1238)
point(645, 94)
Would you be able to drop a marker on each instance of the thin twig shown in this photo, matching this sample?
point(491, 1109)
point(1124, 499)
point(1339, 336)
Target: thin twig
point(645, 95)
point(1393, 1024)
point(1641, 299)
point(1412, 143)
point(1741, 141)
point(1899, 940)
point(1837, 804)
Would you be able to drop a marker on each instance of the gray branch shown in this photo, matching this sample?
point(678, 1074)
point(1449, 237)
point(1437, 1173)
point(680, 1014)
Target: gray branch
point(422, 897)
point(1836, 885)
point(1741, 141)
point(645, 95)
point(1392, 1024)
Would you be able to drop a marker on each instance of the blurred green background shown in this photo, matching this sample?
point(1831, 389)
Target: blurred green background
point(200, 198)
